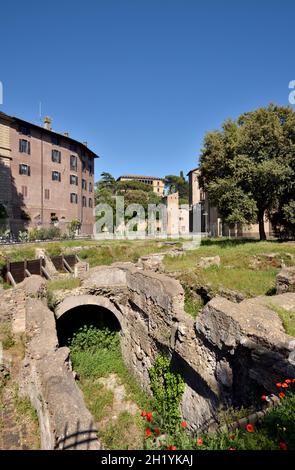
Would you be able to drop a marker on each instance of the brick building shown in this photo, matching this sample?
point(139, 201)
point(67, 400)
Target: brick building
point(45, 177)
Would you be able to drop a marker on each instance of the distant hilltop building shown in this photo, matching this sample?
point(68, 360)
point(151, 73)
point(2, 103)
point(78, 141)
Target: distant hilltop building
point(45, 177)
point(211, 222)
point(157, 183)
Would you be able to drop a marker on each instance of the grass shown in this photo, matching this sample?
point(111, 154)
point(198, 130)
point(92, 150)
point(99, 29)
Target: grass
point(287, 317)
point(125, 432)
point(98, 398)
point(6, 337)
point(18, 253)
point(243, 267)
point(63, 284)
point(103, 363)
point(97, 253)
point(119, 251)
point(192, 305)
point(23, 407)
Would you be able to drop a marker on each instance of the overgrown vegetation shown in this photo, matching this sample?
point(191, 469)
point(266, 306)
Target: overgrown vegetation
point(245, 266)
point(287, 317)
point(192, 305)
point(167, 387)
point(95, 353)
point(66, 283)
point(275, 432)
point(23, 407)
point(6, 337)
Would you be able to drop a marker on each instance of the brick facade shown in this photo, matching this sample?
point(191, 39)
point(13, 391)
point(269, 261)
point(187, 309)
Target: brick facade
point(37, 178)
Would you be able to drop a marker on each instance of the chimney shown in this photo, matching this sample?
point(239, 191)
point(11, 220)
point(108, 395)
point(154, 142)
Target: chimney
point(47, 123)
point(66, 134)
point(85, 143)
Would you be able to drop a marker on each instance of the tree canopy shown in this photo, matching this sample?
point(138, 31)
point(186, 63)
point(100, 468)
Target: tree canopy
point(134, 192)
point(248, 168)
point(174, 183)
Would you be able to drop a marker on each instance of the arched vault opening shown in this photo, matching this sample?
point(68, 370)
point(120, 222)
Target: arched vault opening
point(76, 311)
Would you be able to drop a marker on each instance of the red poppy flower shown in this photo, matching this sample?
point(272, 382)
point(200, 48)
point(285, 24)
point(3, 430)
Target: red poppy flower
point(148, 432)
point(232, 437)
point(288, 381)
point(279, 384)
point(282, 395)
point(143, 413)
point(250, 428)
point(231, 448)
point(200, 441)
point(171, 448)
point(264, 397)
point(283, 446)
point(158, 431)
point(183, 424)
point(149, 417)
point(284, 385)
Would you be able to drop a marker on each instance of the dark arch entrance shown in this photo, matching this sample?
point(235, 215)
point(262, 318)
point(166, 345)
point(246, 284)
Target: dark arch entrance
point(77, 317)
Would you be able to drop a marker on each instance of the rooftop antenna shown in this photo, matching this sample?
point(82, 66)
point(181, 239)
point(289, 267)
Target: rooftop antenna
point(40, 111)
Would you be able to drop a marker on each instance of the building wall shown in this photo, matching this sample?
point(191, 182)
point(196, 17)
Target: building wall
point(211, 222)
point(29, 191)
point(158, 187)
point(157, 184)
point(177, 216)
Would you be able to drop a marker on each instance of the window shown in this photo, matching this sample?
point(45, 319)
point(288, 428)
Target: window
point(74, 179)
point(24, 191)
point(84, 203)
point(24, 146)
point(24, 170)
point(56, 176)
point(74, 198)
point(55, 140)
point(90, 187)
point(83, 165)
point(90, 167)
point(84, 184)
point(24, 130)
point(90, 202)
point(73, 147)
point(47, 194)
point(73, 163)
point(56, 156)
point(53, 218)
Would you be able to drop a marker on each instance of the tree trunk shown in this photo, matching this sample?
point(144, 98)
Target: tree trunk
point(262, 234)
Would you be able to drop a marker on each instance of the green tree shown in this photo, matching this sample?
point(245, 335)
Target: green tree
point(134, 192)
point(174, 183)
point(248, 166)
point(107, 181)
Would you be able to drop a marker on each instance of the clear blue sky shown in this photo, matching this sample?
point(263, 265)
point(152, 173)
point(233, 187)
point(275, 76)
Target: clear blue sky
point(143, 80)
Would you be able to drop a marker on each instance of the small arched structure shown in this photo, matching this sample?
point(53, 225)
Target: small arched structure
point(76, 311)
point(74, 301)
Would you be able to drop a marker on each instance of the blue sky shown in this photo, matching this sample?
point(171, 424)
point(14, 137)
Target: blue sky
point(143, 80)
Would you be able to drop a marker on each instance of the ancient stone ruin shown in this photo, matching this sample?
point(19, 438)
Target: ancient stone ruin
point(224, 352)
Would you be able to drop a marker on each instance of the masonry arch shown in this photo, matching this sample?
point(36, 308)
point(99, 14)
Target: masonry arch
point(76, 311)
